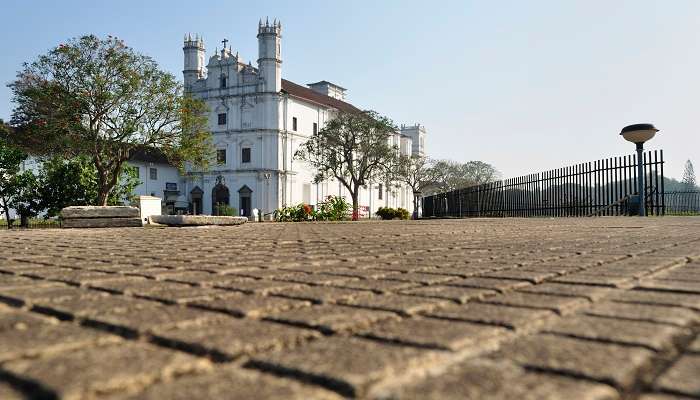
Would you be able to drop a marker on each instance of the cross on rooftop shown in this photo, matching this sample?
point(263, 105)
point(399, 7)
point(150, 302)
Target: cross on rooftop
point(224, 42)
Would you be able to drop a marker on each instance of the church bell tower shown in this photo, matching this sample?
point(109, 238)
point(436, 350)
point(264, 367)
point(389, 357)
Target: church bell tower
point(270, 55)
point(194, 60)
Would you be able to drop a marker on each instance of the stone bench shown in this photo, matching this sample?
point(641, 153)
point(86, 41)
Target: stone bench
point(196, 220)
point(100, 217)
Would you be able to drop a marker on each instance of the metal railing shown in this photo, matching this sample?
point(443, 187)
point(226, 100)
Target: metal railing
point(682, 202)
point(602, 187)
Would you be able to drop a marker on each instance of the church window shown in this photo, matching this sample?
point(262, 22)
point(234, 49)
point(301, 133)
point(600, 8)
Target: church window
point(223, 81)
point(380, 188)
point(315, 129)
point(222, 119)
point(245, 155)
point(294, 124)
point(221, 156)
point(153, 173)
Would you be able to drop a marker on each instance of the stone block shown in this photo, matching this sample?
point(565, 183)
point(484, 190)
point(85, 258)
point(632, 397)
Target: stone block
point(501, 285)
point(85, 372)
point(253, 306)
point(517, 318)
point(350, 366)
point(401, 304)
point(232, 337)
point(231, 383)
point(683, 377)
point(605, 362)
point(483, 379)
point(645, 312)
point(331, 318)
point(101, 223)
point(437, 334)
point(82, 212)
point(626, 332)
point(560, 304)
point(455, 293)
point(589, 292)
point(196, 220)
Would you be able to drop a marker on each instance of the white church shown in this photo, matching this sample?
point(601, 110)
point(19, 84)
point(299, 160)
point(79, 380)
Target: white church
point(258, 121)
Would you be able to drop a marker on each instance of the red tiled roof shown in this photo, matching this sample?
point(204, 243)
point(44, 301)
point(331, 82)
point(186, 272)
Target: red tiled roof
point(305, 93)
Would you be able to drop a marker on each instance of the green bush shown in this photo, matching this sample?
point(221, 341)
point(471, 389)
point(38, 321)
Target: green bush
point(335, 208)
point(225, 210)
point(393, 213)
point(298, 213)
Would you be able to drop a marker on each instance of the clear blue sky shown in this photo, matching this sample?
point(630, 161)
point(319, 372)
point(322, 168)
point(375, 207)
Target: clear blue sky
point(524, 85)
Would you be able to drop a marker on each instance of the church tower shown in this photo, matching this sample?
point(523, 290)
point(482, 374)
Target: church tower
point(194, 60)
point(269, 55)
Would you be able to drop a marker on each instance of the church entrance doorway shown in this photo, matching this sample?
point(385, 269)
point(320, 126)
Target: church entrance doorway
point(196, 200)
point(245, 205)
point(219, 198)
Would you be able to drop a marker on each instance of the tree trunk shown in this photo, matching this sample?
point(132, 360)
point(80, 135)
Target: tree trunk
point(24, 221)
point(7, 217)
point(106, 182)
point(355, 206)
point(415, 206)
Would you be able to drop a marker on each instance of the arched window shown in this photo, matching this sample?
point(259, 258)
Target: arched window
point(222, 81)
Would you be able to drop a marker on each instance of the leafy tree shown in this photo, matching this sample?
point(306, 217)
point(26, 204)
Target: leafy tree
point(74, 182)
point(418, 173)
point(24, 197)
point(99, 98)
point(450, 175)
point(11, 159)
point(689, 176)
point(352, 148)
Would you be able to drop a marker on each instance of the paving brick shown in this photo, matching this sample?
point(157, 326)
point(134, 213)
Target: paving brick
point(352, 366)
point(255, 286)
point(315, 279)
point(691, 287)
point(436, 333)
point(454, 293)
point(232, 337)
point(379, 286)
point(27, 335)
point(651, 335)
point(691, 301)
point(645, 312)
point(231, 382)
point(254, 306)
point(148, 317)
point(523, 275)
point(682, 377)
point(591, 278)
point(88, 371)
point(318, 294)
point(560, 304)
point(501, 285)
point(9, 392)
point(590, 292)
point(604, 362)
point(517, 318)
point(406, 305)
point(482, 379)
point(332, 318)
point(695, 345)
point(418, 277)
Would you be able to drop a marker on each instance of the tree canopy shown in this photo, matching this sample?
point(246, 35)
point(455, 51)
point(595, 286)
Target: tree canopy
point(101, 99)
point(689, 176)
point(353, 148)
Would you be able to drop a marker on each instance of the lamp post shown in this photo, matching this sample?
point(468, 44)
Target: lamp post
point(638, 134)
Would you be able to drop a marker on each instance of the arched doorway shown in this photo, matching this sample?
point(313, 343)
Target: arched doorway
point(244, 202)
point(196, 200)
point(219, 196)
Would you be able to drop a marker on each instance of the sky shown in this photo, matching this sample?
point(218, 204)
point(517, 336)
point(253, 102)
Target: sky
point(524, 85)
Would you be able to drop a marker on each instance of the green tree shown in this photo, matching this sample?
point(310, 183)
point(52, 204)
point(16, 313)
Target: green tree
point(101, 99)
point(689, 176)
point(451, 175)
point(418, 173)
point(74, 182)
point(352, 148)
point(11, 159)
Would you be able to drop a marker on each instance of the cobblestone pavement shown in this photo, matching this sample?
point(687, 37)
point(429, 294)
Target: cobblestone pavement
point(602, 308)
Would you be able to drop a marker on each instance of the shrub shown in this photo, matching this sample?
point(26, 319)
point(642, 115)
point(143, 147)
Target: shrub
point(300, 212)
point(225, 210)
point(393, 213)
point(334, 209)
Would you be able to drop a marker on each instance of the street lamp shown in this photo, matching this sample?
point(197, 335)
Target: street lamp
point(638, 134)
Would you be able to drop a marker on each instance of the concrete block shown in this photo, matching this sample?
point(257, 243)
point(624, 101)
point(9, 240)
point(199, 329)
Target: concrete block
point(102, 222)
point(99, 212)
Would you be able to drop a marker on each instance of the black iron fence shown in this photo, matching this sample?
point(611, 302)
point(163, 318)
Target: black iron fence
point(603, 187)
point(682, 202)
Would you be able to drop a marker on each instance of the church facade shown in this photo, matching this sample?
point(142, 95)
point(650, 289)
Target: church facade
point(258, 121)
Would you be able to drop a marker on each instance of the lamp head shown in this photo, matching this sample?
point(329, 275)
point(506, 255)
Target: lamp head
point(639, 133)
